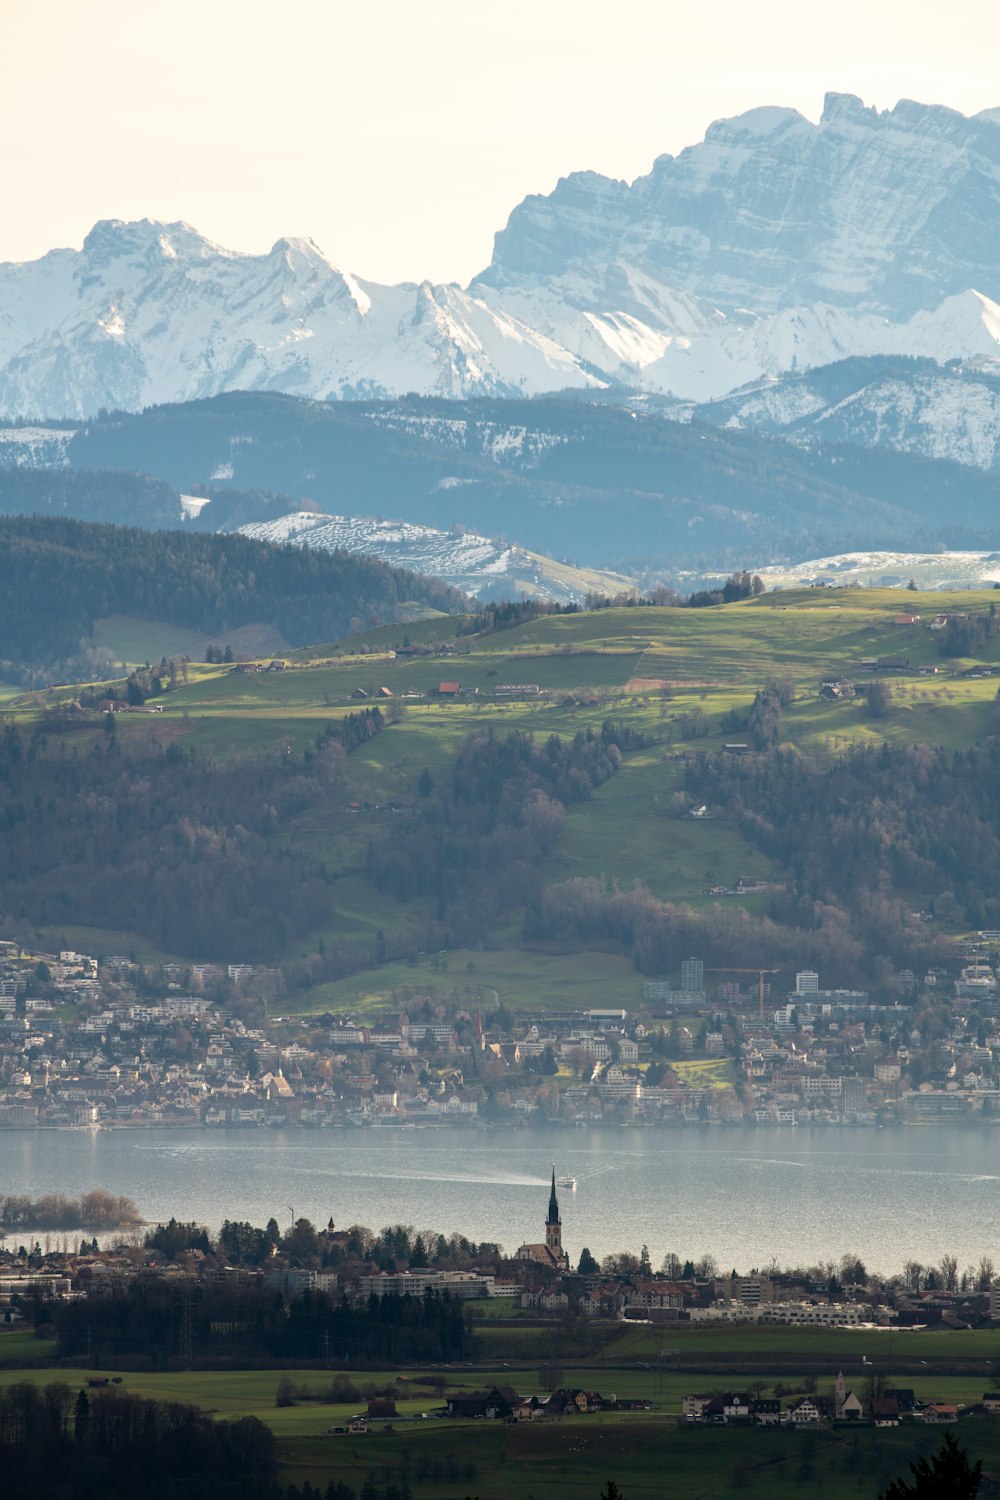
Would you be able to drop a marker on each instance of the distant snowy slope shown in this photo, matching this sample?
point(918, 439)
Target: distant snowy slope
point(34, 447)
point(906, 406)
point(149, 312)
point(885, 212)
point(928, 570)
point(774, 245)
point(463, 559)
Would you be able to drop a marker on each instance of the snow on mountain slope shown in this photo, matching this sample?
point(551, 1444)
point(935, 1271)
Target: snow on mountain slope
point(951, 413)
point(773, 245)
point(148, 313)
point(35, 447)
point(510, 444)
point(469, 562)
point(881, 212)
point(929, 570)
point(697, 353)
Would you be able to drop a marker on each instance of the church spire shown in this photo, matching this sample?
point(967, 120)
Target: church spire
point(553, 1216)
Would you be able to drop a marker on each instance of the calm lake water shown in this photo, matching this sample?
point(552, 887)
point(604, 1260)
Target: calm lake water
point(743, 1196)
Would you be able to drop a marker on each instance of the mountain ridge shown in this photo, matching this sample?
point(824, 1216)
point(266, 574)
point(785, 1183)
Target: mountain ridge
point(770, 246)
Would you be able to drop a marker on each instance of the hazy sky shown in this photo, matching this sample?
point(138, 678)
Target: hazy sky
point(399, 136)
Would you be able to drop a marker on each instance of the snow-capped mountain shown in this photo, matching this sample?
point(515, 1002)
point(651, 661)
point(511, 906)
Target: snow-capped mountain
point(908, 406)
point(870, 212)
point(468, 561)
point(147, 313)
point(773, 245)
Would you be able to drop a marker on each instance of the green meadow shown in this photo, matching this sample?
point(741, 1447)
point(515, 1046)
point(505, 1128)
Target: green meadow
point(646, 1453)
point(673, 674)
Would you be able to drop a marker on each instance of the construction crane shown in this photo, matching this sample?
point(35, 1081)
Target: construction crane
point(760, 979)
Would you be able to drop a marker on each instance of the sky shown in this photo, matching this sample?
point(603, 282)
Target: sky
point(399, 136)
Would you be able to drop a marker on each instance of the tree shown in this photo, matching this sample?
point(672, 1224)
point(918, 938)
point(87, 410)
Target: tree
point(418, 1255)
point(611, 1491)
point(301, 1244)
point(879, 699)
point(948, 1473)
point(81, 1416)
point(587, 1265)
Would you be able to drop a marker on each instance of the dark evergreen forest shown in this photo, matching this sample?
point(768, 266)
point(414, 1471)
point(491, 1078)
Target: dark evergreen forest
point(878, 832)
point(878, 852)
point(592, 481)
point(163, 841)
point(62, 1443)
point(58, 576)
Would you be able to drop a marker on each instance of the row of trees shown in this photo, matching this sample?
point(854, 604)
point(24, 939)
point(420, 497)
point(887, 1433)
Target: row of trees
point(54, 1441)
point(94, 1210)
point(394, 1247)
point(149, 1323)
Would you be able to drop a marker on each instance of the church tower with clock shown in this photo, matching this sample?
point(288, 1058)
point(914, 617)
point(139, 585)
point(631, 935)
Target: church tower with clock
point(553, 1224)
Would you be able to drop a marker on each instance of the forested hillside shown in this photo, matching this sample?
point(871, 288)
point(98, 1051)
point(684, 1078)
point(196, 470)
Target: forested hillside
point(110, 495)
point(603, 484)
point(561, 803)
point(58, 576)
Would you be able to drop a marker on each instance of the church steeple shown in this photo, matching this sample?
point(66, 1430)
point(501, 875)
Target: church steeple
point(553, 1226)
point(553, 1215)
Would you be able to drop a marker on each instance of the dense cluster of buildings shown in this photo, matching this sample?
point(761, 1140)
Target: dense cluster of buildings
point(88, 1042)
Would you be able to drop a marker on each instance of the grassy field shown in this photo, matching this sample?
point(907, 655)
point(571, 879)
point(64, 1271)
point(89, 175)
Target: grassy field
point(19, 1346)
point(673, 674)
point(645, 1453)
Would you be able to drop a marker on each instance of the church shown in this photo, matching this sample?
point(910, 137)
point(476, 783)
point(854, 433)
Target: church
point(551, 1253)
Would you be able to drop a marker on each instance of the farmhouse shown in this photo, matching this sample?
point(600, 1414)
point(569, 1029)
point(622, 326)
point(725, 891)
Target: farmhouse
point(885, 1411)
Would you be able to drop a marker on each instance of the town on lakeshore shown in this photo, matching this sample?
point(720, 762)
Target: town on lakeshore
point(105, 1042)
point(89, 1298)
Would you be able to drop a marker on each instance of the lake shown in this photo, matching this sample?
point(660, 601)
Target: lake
point(747, 1197)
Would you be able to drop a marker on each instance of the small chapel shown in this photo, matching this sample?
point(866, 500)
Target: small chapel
point(551, 1253)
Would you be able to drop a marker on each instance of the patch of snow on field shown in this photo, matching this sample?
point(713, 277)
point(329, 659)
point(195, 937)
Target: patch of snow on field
point(192, 505)
point(929, 570)
point(465, 559)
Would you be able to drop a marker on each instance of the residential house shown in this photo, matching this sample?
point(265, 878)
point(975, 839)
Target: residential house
point(885, 1411)
point(939, 1412)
